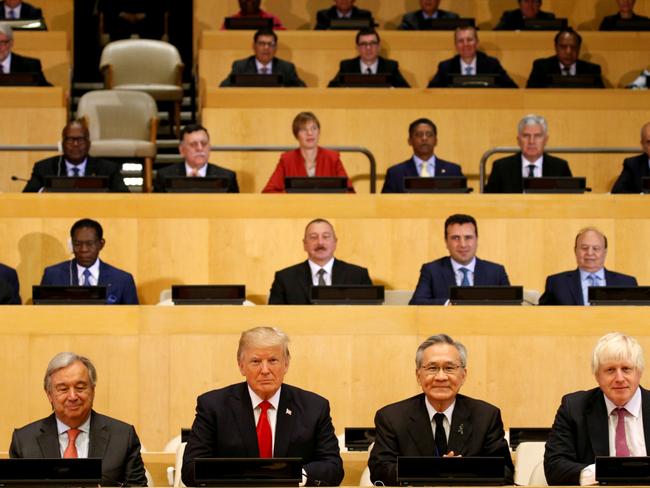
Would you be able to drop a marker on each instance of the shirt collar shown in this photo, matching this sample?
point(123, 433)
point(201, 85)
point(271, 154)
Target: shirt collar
point(600, 273)
point(341, 15)
point(94, 271)
point(434, 15)
point(456, 265)
point(81, 167)
point(464, 65)
point(572, 68)
point(633, 406)
point(432, 411)
point(256, 400)
point(525, 163)
point(16, 11)
point(419, 161)
point(259, 66)
point(202, 171)
point(315, 267)
point(61, 427)
point(6, 64)
point(373, 67)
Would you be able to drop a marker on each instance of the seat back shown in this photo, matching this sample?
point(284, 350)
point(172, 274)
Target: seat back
point(397, 297)
point(537, 477)
point(179, 465)
point(529, 455)
point(141, 61)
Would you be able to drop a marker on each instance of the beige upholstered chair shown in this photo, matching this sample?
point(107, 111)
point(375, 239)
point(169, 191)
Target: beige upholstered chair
point(121, 124)
point(529, 455)
point(153, 67)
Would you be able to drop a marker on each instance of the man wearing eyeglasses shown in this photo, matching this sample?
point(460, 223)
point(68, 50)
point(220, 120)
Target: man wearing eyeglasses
point(86, 269)
point(11, 62)
point(439, 421)
point(264, 62)
point(369, 62)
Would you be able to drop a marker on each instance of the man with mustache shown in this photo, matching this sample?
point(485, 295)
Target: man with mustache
point(292, 285)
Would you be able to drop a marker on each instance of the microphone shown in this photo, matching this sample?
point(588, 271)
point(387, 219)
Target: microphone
point(18, 178)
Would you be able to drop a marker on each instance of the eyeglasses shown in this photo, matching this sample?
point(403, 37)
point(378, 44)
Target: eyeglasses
point(368, 44)
point(5, 43)
point(265, 44)
point(434, 369)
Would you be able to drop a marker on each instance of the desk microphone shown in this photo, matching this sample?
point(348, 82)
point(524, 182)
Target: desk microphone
point(18, 178)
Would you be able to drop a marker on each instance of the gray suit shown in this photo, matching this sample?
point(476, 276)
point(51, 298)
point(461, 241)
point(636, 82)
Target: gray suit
point(112, 440)
point(278, 66)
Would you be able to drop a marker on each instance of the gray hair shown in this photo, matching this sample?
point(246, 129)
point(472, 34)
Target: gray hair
point(6, 29)
point(532, 119)
point(263, 337)
point(440, 339)
point(63, 360)
point(616, 346)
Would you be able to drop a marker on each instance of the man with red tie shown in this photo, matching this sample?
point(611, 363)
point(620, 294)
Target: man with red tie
point(611, 420)
point(262, 417)
point(75, 430)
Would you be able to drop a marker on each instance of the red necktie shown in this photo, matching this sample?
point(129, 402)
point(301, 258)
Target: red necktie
point(264, 436)
point(621, 439)
point(71, 450)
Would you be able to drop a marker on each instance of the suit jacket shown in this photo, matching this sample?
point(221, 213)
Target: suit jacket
point(609, 23)
point(514, 19)
point(179, 170)
point(484, 65)
point(120, 285)
point(27, 12)
point(55, 166)
point(416, 21)
point(629, 181)
point(328, 163)
point(580, 433)
point(323, 17)
point(437, 276)
point(292, 285)
point(224, 426)
point(394, 181)
point(404, 429)
point(565, 288)
point(543, 68)
point(112, 440)
point(10, 277)
point(278, 66)
point(384, 66)
point(506, 175)
point(23, 64)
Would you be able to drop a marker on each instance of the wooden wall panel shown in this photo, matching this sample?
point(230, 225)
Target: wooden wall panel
point(54, 50)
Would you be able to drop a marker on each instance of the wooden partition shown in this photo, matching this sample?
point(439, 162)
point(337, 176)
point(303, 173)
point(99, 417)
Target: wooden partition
point(152, 362)
point(622, 55)
point(194, 239)
point(59, 14)
point(469, 123)
point(53, 48)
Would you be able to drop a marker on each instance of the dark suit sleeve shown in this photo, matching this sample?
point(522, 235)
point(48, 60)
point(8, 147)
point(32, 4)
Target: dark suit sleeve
point(424, 294)
point(365, 277)
point(134, 467)
point(504, 80)
point(383, 457)
point(278, 295)
point(15, 448)
point(233, 70)
point(495, 180)
point(233, 186)
point(322, 20)
point(502, 276)
point(327, 466)
point(548, 297)
point(397, 80)
point(202, 441)
point(334, 82)
point(560, 457)
point(36, 181)
point(290, 76)
point(538, 77)
point(494, 444)
point(130, 294)
point(441, 78)
point(626, 181)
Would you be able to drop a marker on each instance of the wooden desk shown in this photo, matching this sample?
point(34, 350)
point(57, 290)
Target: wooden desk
point(53, 48)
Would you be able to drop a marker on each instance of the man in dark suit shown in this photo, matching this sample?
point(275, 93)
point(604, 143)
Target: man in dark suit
point(423, 138)
point(11, 62)
point(10, 277)
point(195, 149)
point(419, 20)
point(19, 10)
point(611, 420)
point(75, 430)
point(565, 63)
point(263, 417)
point(636, 168)
point(342, 9)
point(439, 421)
point(75, 161)
point(470, 62)
point(292, 285)
point(460, 268)
point(265, 45)
point(369, 61)
point(571, 287)
point(87, 237)
point(619, 19)
point(531, 162)
point(528, 9)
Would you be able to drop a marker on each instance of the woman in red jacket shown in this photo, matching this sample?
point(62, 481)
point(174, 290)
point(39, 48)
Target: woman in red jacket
point(309, 159)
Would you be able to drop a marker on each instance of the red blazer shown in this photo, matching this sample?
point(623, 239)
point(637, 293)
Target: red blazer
point(328, 163)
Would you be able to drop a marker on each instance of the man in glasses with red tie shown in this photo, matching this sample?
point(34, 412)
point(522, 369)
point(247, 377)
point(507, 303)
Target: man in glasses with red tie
point(263, 417)
point(611, 420)
point(75, 430)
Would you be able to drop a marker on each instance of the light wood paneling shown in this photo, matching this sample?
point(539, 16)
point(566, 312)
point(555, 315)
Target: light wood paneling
point(53, 48)
point(59, 14)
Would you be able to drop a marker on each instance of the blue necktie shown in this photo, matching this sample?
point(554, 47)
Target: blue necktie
point(86, 274)
point(465, 280)
point(12, 14)
point(593, 279)
point(469, 71)
point(75, 172)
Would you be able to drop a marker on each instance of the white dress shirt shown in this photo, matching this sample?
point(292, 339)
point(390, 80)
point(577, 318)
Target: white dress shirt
point(315, 268)
point(201, 172)
point(446, 422)
point(82, 441)
point(16, 12)
point(69, 168)
point(459, 274)
point(269, 67)
point(464, 66)
point(537, 170)
point(431, 164)
point(571, 69)
point(94, 273)
point(373, 67)
point(272, 413)
point(6, 64)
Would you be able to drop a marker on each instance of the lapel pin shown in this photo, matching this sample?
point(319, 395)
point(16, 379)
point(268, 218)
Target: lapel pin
point(460, 429)
point(443, 171)
point(288, 412)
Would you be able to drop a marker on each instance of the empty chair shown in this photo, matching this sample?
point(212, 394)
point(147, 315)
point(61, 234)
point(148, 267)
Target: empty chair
point(397, 297)
point(122, 124)
point(537, 477)
point(146, 65)
point(529, 455)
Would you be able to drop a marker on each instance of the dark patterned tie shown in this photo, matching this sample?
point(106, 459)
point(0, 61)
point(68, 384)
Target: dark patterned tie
point(440, 436)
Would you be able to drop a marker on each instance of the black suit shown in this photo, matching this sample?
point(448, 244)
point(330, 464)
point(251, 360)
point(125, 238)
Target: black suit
point(224, 426)
point(325, 16)
point(404, 429)
point(353, 66)
point(506, 175)
point(580, 433)
point(514, 19)
point(394, 181)
point(566, 288)
point(179, 170)
point(611, 22)
point(484, 65)
point(629, 181)
point(23, 64)
point(10, 278)
point(292, 285)
point(540, 76)
point(416, 21)
point(112, 440)
point(55, 166)
point(27, 12)
point(278, 66)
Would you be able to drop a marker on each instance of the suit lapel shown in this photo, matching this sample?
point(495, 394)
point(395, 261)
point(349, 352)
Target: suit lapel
point(597, 425)
point(242, 410)
point(284, 423)
point(412, 169)
point(480, 277)
point(91, 167)
point(72, 270)
point(515, 173)
point(575, 287)
point(210, 170)
point(381, 65)
point(645, 408)
point(104, 275)
point(448, 272)
point(305, 280)
point(420, 428)
point(48, 440)
point(338, 273)
point(99, 436)
point(461, 427)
